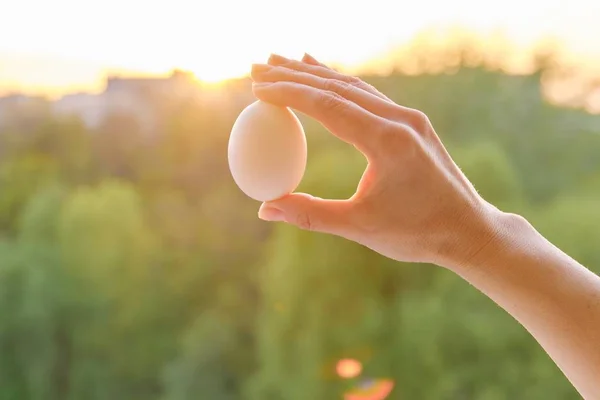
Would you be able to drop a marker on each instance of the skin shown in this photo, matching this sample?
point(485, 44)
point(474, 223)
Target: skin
point(414, 204)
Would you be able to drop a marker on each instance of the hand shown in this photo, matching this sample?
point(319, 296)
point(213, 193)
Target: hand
point(412, 204)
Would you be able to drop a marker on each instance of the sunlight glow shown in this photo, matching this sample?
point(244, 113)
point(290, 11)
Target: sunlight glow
point(75, 42)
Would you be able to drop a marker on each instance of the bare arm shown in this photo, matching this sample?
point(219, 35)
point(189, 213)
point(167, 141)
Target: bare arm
point(414, 204)
point(555, 298)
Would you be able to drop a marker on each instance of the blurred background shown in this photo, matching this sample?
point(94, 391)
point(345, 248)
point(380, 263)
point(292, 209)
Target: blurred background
point(132, 267)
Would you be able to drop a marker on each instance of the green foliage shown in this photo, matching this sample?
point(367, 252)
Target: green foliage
point(201, 368)
point(20, 179)
point(131, 267)
point(33, 305)
point(488, 168)
point(571, 222)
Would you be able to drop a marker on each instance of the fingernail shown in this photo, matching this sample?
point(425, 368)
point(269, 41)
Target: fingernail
point(309, 59)
point(258, 69)
point(258, 85)
point(276, 59)
point(269, 213)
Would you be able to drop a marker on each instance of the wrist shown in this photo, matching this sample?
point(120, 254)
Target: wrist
point(487, 238)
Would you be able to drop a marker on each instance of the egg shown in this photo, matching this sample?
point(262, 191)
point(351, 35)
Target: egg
point(267, 151)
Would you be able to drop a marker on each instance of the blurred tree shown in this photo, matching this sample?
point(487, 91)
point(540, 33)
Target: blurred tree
point(124, 328)
point(20, 178)
point(464, 346)
point(36, 333)
point(571, 222)
point(203, 367)
point(118, 145)
point(132, 267)
point(488, 167)
point(322, 300)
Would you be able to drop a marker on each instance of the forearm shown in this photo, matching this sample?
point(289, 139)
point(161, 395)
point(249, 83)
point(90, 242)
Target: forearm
point(414, 204)
point(555, 298)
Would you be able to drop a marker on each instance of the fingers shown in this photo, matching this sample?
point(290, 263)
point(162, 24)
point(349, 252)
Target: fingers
point(412, 118)
point(307, 58)
point(310, 213)
point(324, 72)
point(366, 100)
point(343, 118)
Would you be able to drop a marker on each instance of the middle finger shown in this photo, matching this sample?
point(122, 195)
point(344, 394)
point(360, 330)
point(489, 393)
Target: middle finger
point(366, 100)
point(325, 72)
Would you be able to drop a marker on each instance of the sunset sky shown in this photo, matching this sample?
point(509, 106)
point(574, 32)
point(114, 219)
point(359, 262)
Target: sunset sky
point(61, 45)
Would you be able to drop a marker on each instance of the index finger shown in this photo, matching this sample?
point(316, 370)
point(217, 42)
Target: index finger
point(310, 65)
point(343, 118)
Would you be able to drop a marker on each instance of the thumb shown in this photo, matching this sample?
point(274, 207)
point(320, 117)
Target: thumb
point(308, 213)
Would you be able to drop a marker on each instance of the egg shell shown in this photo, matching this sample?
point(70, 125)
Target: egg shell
point(267, 151)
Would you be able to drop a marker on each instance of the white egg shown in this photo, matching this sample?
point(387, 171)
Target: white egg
point(267, 151)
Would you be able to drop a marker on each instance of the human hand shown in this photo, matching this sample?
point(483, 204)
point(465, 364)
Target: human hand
point(412, 204)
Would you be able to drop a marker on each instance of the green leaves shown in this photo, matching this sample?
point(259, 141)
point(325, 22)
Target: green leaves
point(131, 267)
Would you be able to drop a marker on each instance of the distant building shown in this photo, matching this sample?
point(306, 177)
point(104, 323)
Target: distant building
point(12, 106)
point(132, 96)
point(179, 83)
point(90, 108)
point(141, 97)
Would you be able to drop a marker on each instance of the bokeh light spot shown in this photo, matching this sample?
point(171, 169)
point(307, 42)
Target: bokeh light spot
point(371, 389)
point(348, 368)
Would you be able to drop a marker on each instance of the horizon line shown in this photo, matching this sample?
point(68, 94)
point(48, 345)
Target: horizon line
point(385, 63)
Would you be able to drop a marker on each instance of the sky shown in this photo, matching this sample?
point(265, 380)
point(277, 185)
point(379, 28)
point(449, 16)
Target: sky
point(63, 45)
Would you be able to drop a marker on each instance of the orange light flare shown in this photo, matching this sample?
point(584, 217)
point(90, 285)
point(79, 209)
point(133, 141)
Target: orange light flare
point(348, 368)
point(376, 389)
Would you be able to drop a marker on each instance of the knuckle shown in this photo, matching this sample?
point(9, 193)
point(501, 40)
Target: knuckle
point(287, 70)
point(303, 221)
point(394, 139)
point(293, 75)
point(367, 87)
point(419, 121)
point(420, 116)
point(281, 87)
point(275, 73)
point(340, 87)
point(329, 84)
point(353, 80)
point(285, 89)
point(331, 101)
